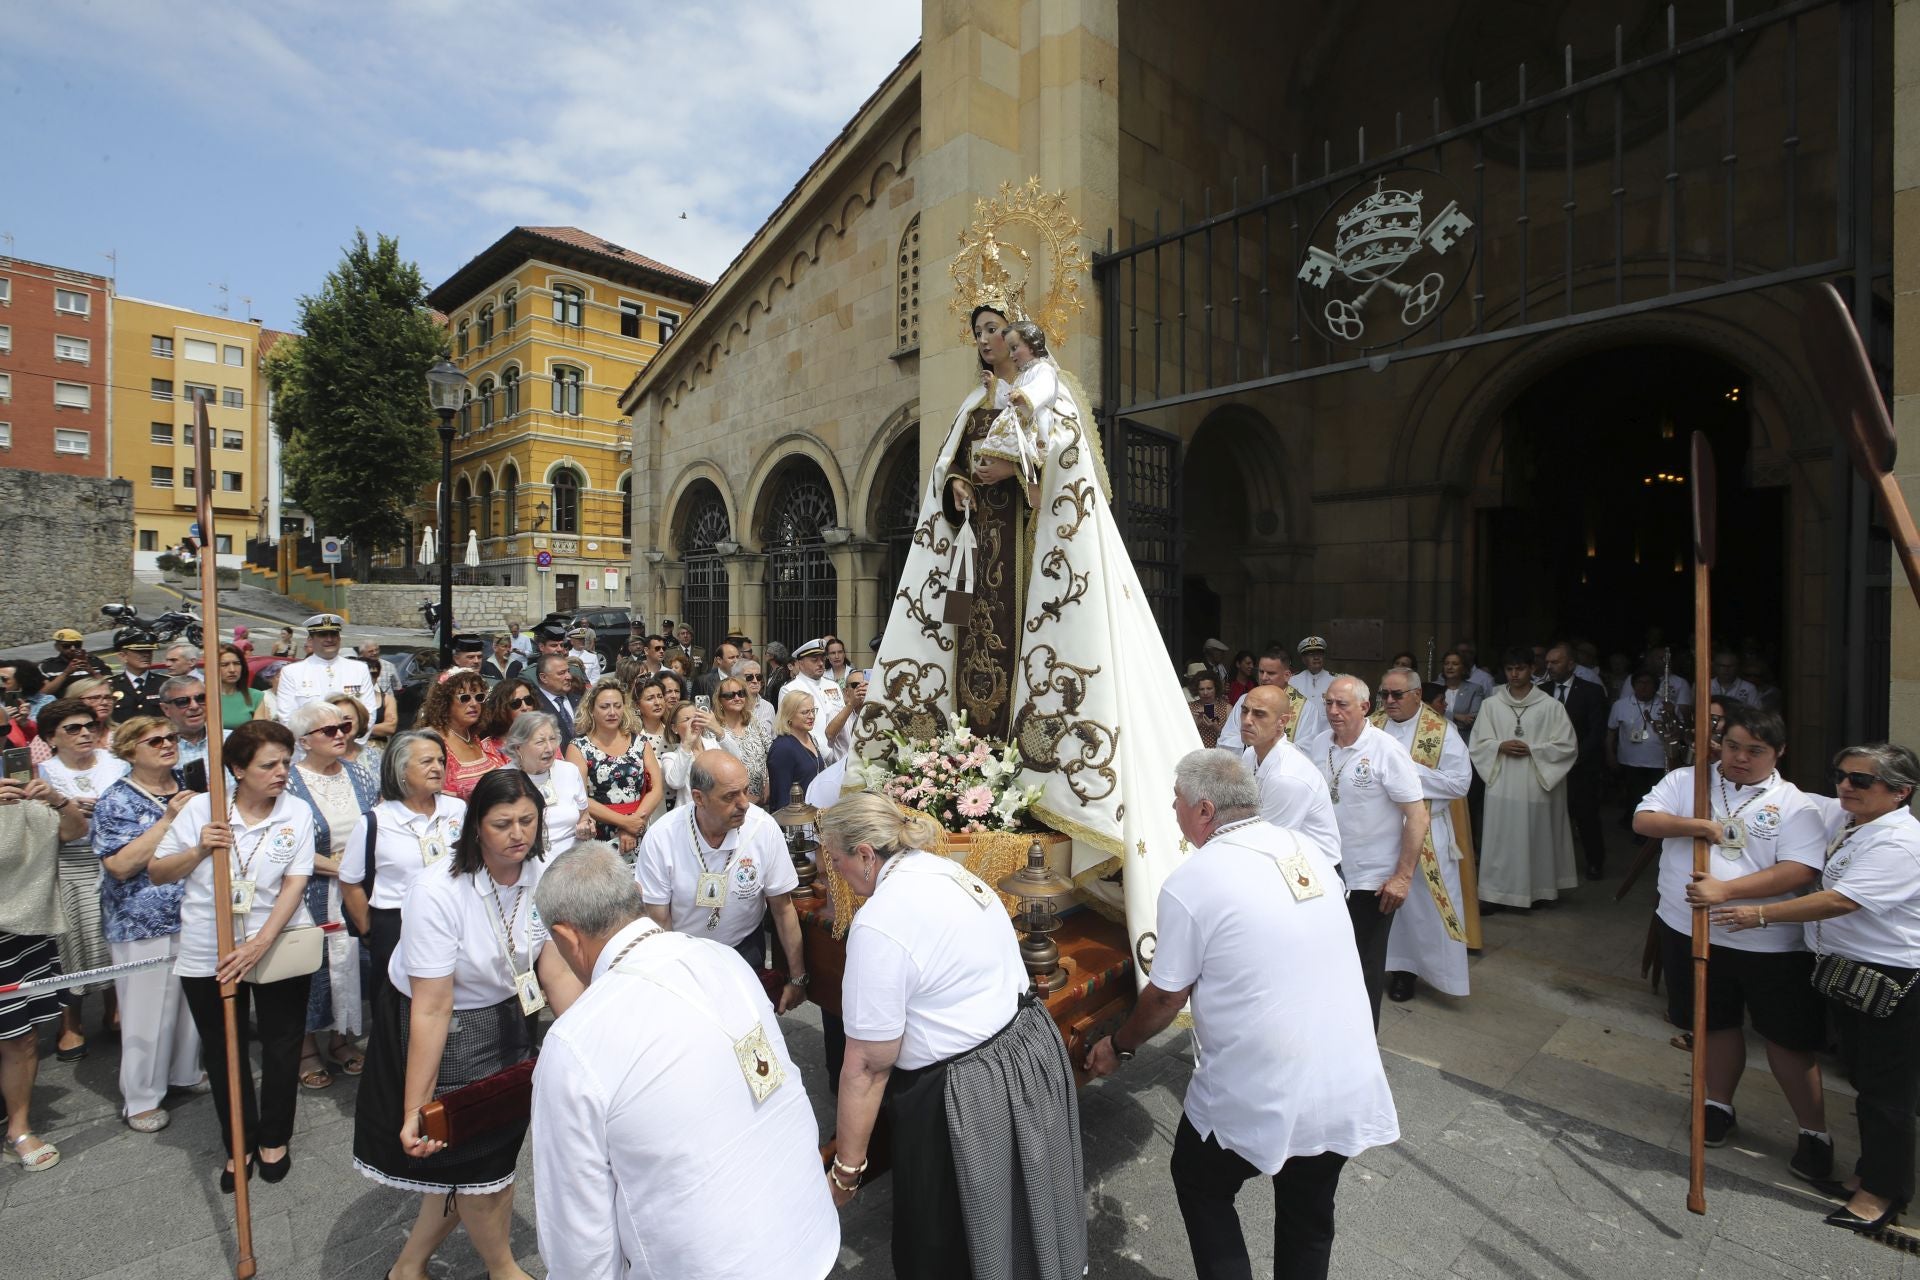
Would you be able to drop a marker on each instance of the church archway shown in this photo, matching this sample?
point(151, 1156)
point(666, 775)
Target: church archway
point(896, 509)
point(700, 524)
point(802, 588)
point(1234, 506)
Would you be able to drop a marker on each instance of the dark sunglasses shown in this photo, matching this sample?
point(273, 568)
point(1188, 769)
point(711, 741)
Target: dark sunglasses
point(1858, 781)
point(1394, 695)
point(191, 700)
point(160, 740)
point(754, 679)
point(77, 726)
point(330, 730)
point(735, 696)
point(521, 704)
point(467, 697)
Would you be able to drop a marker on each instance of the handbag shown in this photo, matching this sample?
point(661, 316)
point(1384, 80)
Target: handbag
point(296, 953)
point(1859, 987)
point(503, 1098)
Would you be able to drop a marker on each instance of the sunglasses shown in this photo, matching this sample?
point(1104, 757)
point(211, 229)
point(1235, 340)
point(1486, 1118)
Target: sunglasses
point(191, 700)
point(1394, 695)
point(521, 704)
point(1858, 781)
point(160, 740)
point(77, 727)
point(735, 696)
point(330, 730)
point(752, 679)
point(467, 697)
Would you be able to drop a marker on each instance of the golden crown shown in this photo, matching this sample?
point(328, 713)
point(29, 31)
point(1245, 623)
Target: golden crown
point(981, 277)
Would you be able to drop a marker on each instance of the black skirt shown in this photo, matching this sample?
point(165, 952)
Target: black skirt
point(479, 1043)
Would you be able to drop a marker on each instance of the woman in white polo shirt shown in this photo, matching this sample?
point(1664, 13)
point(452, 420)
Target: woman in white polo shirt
point(942, 1029)
point(268, 835)
point(532, 743)
point(471, 970)
point(1863, 923)
point(413, 827)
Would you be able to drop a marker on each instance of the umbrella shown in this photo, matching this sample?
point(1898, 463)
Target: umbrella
point(473, 549)
point(426, 546)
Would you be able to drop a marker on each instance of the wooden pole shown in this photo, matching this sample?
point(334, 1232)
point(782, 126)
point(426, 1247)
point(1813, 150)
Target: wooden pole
point(224, 924)
point(1704, 504)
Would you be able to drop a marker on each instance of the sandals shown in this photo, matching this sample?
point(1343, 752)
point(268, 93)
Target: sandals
point(150, 1121)
point(41, 1158)
point(348, 1057)
point(318, 1078)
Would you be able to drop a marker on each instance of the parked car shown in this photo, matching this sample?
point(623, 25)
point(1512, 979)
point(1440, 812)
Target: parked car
point(610, 627)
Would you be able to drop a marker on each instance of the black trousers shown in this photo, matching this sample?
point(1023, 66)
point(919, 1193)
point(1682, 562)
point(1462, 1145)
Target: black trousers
point(279, 1021)
point(1584, 784)
point(1370, 930)
point(1206, 1179)
point(1883, 1056)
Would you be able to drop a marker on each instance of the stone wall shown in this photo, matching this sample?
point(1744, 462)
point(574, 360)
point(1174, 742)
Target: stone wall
point(477, 609)
point(67, 541)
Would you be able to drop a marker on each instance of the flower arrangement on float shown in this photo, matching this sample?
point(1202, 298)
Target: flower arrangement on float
point(967, 783)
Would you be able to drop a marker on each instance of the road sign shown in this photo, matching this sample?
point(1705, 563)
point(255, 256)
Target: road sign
point(544, 560)
point(329, 551)
point(193, 531)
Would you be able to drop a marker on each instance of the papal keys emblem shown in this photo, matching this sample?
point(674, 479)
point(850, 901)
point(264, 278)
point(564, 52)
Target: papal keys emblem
point(1389, 274)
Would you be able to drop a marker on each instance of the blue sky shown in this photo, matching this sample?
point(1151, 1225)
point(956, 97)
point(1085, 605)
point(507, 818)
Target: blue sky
point(218, 142)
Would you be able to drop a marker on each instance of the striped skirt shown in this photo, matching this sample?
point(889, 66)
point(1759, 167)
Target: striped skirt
point(23, 958)
point(84, 944)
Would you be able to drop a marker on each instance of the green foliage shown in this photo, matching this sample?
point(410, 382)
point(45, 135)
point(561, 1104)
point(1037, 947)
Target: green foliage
point(350, 397)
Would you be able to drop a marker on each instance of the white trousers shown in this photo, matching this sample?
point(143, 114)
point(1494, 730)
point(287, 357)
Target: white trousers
point(158, 1044)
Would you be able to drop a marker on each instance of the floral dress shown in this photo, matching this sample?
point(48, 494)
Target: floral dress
point(616, 781)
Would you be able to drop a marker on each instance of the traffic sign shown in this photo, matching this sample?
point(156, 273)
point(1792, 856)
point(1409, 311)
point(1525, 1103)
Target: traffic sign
point(329, 551)
point(544, 560)
point(193, 531)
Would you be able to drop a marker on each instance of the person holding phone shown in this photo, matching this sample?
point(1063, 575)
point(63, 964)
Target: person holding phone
point(70, 662)
point(81, 773)
point(689, 735)
point(1209, 712)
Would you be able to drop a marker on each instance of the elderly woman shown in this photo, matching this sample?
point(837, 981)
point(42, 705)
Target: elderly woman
point(1863, 925)
point(266, 836)
point(622, 772)
point(741, 734)
point(34, 821)
point(338, 791)
point(1209, 710)
point(533, 745)
point(452, 710)
point(81, 770)
point(412, 828)
point(471, 969)
point(159, 1048)
point(690, 734)
point(943, 1031)
point(794, 757)
point(362, 751)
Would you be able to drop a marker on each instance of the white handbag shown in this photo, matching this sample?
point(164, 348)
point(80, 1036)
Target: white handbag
point(296, 953)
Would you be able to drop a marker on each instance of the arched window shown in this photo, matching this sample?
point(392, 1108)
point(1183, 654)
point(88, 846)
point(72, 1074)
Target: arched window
point(486, 504)
point(908, 296)
point(568, 304)
point(566, 501)
point(801, 595)
point(896, 507)
point(566, 390)
point(510, 385)
point(703, 524)
point(510, 485)
point(486, 324)
point(626, 507)
point(510, 309)
point(486, 403)
point(460, 347)
point(466, 410)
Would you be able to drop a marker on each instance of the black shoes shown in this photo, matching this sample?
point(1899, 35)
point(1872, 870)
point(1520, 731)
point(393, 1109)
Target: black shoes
point(1812, 1160)
point(1845, 1217)
point(1595, 871)
point(277, 1170)
point(1399, 987)
point(226, 1177)
point(1720, 1124)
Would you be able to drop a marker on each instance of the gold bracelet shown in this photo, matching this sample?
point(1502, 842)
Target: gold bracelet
point(851, 1170)
point(833, 1176)
point(1763, 916)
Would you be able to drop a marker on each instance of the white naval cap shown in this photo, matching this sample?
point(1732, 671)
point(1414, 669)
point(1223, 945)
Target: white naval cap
point(324, 622)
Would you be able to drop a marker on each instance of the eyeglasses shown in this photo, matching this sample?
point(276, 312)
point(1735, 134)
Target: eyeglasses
point(752, 679)
point(77, 727)
point(1394, 695)
point(191, 700)
point(160, 740)
point(735, 696)
point(1858, 781)
point(521, 704)
point(467, 697)
point(330, 730)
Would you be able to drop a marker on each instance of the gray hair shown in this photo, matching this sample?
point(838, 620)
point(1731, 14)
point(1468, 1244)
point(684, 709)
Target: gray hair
point(590, 889)
point(525, 725)
point(191, 650)
point(1893, 764)
point(547, 659)
point(1219, 777)
point(177, 685)
point(1412, 676)
point(1359, 687)
point(398, 758)
point(311, 715)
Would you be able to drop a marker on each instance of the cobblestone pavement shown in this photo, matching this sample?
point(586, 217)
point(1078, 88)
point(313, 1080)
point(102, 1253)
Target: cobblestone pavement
point(1543, 1134)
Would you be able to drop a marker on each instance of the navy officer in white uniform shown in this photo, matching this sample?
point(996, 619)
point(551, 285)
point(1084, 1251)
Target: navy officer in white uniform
point(324, 673)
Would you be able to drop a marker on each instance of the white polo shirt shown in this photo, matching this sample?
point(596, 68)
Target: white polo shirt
point(1637, 745)
point(930, 962)
point(1293, 794)
point(1367, 782)
point(564, 793)
point(1879, 868)
point(265, 852)
point(1784, 824)
point(1287, 1064)
point(752, 857)
point(407, 844)
point(461, 927)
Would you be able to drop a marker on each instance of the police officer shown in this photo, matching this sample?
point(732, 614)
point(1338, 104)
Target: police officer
point(136, 690)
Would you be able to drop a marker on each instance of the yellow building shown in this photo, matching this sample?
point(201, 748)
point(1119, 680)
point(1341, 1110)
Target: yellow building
point(550, 324)
point(161, 355)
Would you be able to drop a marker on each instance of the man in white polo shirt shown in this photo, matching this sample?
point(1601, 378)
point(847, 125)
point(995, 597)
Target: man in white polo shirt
point(1289, 1084)
point(715, 867)
point(1293, 794)
point(1275, 668)
point(1379, 804)
point(324, 673)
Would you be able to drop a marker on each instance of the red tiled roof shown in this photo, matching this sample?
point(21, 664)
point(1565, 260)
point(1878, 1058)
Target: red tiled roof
point(522, 243)
point(595, 244)
point(268, 337)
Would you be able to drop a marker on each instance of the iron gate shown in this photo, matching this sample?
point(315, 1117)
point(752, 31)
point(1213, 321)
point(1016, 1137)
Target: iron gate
point(802, 588)
point(704, 599)
point(1146, 472)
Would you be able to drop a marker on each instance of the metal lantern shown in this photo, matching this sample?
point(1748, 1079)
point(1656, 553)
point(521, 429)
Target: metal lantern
point(446, 385)
point(797, 820)
point(1040, 892)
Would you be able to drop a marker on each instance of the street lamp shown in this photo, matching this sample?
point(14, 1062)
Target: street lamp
point(446, 385)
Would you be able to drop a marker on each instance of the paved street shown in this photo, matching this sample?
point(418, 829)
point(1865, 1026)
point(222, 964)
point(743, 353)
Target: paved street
point(1543, 1122)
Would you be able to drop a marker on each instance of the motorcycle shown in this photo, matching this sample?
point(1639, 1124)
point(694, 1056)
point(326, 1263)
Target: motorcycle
point(169, 626)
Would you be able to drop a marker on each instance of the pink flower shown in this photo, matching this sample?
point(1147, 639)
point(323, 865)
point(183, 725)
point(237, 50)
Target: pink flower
point(977, 802)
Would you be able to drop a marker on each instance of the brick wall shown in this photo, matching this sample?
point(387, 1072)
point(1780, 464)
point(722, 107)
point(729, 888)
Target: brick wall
point(34, 369)
point(65, 550)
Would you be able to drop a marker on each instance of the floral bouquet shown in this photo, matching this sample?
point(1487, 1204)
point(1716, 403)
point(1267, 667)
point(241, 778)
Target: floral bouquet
point(967, 783)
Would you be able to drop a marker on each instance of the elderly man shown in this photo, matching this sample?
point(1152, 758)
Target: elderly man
point(183, 701)
point(522, 643)
point(1214, 655)
point(1293, 793)
point(469, 653)
point(1313, 681)
point(1289, 1086)
point(386, 677)
point(1274, 668)
point(182, 658)
point(833, 724)
point(1383, 821)
point(1429, 940)
point(668, 1082)
point(725, 654)
point(716, 873)
point(683, 642)
point(1523, 747)
point(554, 683)
point(325, 672)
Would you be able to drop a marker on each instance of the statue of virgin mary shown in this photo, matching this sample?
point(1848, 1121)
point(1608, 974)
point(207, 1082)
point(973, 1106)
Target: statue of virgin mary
point(1019, 607)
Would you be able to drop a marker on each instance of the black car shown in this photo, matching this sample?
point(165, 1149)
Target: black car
point(610, 628)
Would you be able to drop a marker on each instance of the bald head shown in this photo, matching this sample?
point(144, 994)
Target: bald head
point(1347, 700)
point(1264, 713)
point(719, 784)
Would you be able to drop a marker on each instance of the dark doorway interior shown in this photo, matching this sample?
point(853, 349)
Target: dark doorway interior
point(1595, 537)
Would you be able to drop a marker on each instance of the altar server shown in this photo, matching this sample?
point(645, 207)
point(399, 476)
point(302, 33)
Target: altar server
point(1523, 748)
point(672, 1027)
point(1429, 939)
point(1289, 1083)
point(988, 1178)
point(1293, 793)
point(1383, 821)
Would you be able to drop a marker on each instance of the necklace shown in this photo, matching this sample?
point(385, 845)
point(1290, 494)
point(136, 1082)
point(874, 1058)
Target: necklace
point(711, 891)
point(655, 932)
point(463, 737)
point(1761, 788)
point(508, 921)
point(1333, 779)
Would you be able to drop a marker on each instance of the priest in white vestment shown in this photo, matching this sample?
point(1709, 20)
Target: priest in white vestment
point(1422, 944)
point(1523, 747)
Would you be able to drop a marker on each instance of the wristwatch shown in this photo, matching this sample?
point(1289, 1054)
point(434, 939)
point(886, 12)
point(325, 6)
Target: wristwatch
point(1124, 1055)
point(805, 979)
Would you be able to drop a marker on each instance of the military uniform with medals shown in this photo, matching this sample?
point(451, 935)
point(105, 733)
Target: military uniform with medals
point(136, 695)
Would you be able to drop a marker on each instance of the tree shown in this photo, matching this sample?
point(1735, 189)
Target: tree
point(350, 398)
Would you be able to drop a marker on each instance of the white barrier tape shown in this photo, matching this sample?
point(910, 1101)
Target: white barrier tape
point(86, 977)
